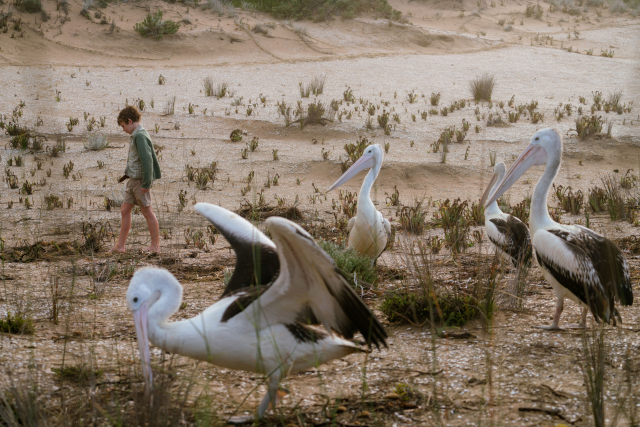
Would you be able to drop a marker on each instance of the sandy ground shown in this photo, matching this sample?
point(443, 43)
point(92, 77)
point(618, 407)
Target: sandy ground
point(70, 65)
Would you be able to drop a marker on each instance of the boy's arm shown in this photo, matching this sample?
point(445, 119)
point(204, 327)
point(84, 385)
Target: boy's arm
point(144, 152)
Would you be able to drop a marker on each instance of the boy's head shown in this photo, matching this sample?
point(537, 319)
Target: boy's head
point(128, 118)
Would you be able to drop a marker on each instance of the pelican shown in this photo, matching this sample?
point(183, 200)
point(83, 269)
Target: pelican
point(368, 230)
point(260, 329)
point(578, 263)
point(506, 232)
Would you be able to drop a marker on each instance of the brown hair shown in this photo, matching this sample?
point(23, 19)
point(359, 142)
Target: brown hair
point(129, 112)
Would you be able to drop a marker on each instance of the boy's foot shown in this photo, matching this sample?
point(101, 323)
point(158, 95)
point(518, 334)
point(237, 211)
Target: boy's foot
point(115, 250)
point(151, 250)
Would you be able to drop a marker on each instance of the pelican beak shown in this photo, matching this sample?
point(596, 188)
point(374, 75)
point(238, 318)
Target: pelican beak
point(364, 162)
point(140, 320)
point(488, 190)
point(533, 155)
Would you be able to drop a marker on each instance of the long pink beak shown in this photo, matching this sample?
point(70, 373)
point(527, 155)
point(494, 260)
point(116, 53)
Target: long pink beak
point(364, 162)
point(140, 320)
point(488, 190)
point(533, 155)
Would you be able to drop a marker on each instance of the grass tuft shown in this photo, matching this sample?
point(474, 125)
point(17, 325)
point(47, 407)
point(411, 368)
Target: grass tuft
point(17, 324)
point(351, 263)
point(482, 87)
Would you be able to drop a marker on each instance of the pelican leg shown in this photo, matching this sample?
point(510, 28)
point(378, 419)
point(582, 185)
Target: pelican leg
point(556, 317)
point(272, 396)
point(583, 320)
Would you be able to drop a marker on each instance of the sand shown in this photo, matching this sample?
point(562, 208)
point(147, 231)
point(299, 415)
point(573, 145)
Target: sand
point(70, 66)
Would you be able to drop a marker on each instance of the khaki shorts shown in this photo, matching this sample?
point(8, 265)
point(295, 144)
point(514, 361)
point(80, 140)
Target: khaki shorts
point(133, 193)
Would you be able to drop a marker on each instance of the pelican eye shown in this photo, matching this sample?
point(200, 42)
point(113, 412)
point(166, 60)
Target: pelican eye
point(135, 299)
point(537, 138)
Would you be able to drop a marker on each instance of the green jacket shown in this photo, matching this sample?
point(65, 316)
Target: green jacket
point(147, 158)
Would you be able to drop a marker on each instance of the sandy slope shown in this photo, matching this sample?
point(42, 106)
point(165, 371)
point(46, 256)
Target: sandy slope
point(444, 45)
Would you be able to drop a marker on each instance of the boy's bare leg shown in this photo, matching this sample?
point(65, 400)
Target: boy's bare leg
point(154, 228)
point(125, 226)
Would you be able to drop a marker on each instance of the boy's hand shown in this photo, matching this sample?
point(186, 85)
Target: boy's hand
point(144, 190)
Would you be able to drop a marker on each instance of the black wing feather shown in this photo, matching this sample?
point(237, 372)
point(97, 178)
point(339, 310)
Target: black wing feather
point(518, 245)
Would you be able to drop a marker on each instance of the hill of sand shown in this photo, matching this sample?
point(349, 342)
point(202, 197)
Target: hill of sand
point(88, 67)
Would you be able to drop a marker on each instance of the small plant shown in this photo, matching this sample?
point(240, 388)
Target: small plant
point(348, 203)
point(394, 198)
point(414, 218)
point(17, 324)
point(253, 144)
point(482, 87)
point(67, 168)
point(236, 135)
point(412, 97)
point(324, 153)
point(597, 199)
point(569, 201)
point(434, 99)
point(208, 86)
point(452, 217)
point(154, 26)
point(607, 53)
point(182, 200)
point(383, 119)
point(96, 142)
point(347, 95)
point(161, 80)
point(27, 188)
point(80, 373)
point(94, 235)
point(275, 155)
point(170, 107)
point(492, 157)
point(244, 154)
point(589, 125)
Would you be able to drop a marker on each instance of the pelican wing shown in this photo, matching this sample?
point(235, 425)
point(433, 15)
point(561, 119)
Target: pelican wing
point(588, 265)
point(256, 255)
point(512, 238)
point(310, 281)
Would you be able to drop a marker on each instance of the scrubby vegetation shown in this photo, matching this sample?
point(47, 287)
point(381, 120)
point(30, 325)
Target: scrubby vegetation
point(450, 310)
point(355, 267)
point(154, 26)
point(322, 10)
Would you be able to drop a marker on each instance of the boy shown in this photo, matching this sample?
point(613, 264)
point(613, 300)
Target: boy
point(142, 168)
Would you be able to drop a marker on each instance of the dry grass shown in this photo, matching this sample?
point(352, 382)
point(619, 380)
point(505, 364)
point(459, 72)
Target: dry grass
point(481, 87)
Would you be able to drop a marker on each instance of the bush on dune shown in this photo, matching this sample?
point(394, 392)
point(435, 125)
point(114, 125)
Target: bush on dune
point(154, 26)
point(322, 10)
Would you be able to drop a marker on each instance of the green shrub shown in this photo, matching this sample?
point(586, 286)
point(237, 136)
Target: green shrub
point(450, 310)
point(322, 10)
point(80, 373)
point(17, 324)
point(31, 6)
point(350, 262)
point(154, 26)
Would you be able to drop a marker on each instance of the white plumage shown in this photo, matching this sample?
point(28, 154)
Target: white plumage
point(369, 231)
